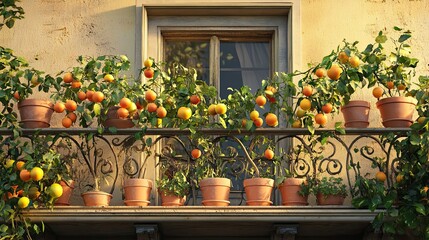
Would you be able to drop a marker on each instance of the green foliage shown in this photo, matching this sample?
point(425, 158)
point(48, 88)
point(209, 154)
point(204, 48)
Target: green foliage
point(177, 184)
point(329, 186)
point(10, 12)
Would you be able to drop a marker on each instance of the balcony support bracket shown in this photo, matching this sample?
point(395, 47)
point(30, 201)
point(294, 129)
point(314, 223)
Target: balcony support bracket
point(147, 232)
point(285, 232)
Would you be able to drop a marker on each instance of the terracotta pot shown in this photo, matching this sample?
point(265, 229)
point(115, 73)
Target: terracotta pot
point(96, 198)
point(258, 191)
point(137, 191)
point(35, 113)
point(397, 111)
point(172, 200)
point(329, 199)
point(67, 192)
point(289, 190)
point(356, 114)
point(114, 121)
point(215, 191)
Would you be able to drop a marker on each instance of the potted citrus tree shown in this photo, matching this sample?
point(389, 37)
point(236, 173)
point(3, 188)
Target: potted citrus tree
point(174, 184)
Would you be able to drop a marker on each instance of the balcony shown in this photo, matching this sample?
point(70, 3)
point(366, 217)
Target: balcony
point(117, 154)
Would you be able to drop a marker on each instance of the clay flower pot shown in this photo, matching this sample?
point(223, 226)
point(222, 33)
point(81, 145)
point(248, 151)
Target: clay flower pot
point(329, 199)
point(356, 114)
point(64, 200)
point(137, 191)
point(258, 191)
point(114, 121)
point(35, 113)
point(96, 198)
point(289, 190)
point(172, 200)
point(397, 111)
point(215, 191)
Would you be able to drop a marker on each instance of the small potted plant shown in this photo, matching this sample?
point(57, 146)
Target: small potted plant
point(294, 190)
point(329, 191)
point(174, 185)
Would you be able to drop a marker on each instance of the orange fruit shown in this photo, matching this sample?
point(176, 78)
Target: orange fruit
point(16, 95)
point(184, 113)
point(271, 120)
point(195, 99)
point(343, 57)
point(148, 73)
point(71, 105)
point(196, 153)
point(399, 178)
point(377, 92)
point(25, 175)
point(421, 120)
point(122, 112)
point(297, 124)
point(220, 108)
point(59, 107)
point(300, 112)
point(108, 78)
point(327, 108)
point(212, 109)
point(36, 174)
point(89, 95)
point(152, 107)
point(150, 96)
point(81, 95)
point(380, 176)
point(334, 72)
point(258, 122)
point(243, 122)
point(307, 91)
point(76, 84)
point(66, 122)
point(55, 190)
point(390, 85)
point(254, 115)
point(33, 193)
point(354, 61)
point(148, 63)
point(305, 104)
point(320, 72)
point(72, 116)
point(9, 163)
point(401, 87)
point(125, 103)
point(261, 100)
point(269, 154)
point(68, 77)
point(97, 97)
point(20, 165)
point(161, 112)
point(272, 89)
point(425, 189)
point(321, 119)
point(23, 202)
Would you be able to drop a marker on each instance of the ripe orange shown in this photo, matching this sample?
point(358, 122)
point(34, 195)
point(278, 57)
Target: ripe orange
point(71, 105)
point(254, 115)
point(195, 99)
point(334, 72)
point(272, 89)
point(150, 96)
point(59, 107)
point(161, 112)
point(20, 165)
point(258, 122)
point(89, 95)
point(212, 109)
point(271, 120)
point(108, 78)
point(81, 95)
point(23, 202)
point(16, 95)
point(196, 153)
point(36, 174)
point(300, 112)
point(25, 175)
point(377, 92)
point(320, 72)
point(354, 61)
point(243, 122)
point(321, 119)
point(401, 87)
point(152, 107)
point(327, 108)
point(380, 176)
point(68, 77)
point(55, 190)
point(261, 100)
point(343, 57)
point(297, 124)
point(220, 108)
point(132, 109)
point(269, 154)
point(148, 63)
point(97, 97)
point(184, 113)
point(72, 116)
point(390, 85)
point(122, 112)
point(305, 104)
point(66, 122)
point(125, 103)
point(307, 91)
point(149, 72)
point(76, 84)
point(399, 178)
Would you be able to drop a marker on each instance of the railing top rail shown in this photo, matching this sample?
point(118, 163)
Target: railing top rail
point(207, 131)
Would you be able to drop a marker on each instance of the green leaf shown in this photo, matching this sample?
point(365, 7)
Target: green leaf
point(404, 37)
point(420, 208)
point(381, 38)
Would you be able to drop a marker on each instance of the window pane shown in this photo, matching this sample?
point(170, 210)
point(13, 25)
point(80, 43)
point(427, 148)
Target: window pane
point(194, 54)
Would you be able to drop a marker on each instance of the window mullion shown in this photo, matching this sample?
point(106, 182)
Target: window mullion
point(214, 62)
